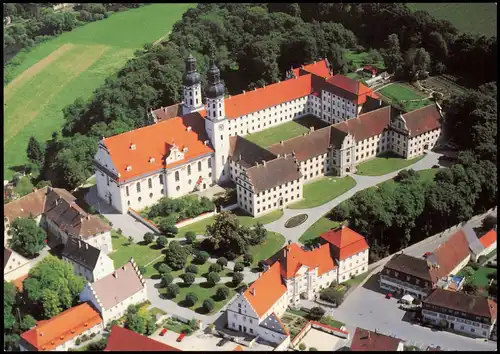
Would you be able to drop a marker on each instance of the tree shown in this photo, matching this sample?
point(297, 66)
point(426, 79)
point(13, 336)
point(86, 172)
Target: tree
point(302, 346)
point(493, 289)
point(149, 237)
point(208, 305)
point(222, 293)
point(213, 278)
point(28, 323)
point(258, 234)
point(176, 256)
point(161, 241)
point(188, 278)
point(173, 290)
point(9, 299)
point(167, 226)
point(191, 299)
point(53, 285)
point(166, 280)
point(35, 152)
point(192, 268)
point(316, 313)
point(489, 222)
point(142, 269)
point(202, 257)
point(215, 267)
point(237, 278)
point(27, 237)
point(222, 261)
point(247, 259)
point(163, 268)
point(392, 56)
point(190, 237)
point(226, 236)
point(238, 267)
point(130, 240)
point(422, 62)
point(135, 323)
point(470, 288)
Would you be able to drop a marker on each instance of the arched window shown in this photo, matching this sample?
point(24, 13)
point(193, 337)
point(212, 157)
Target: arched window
point(126, 191)
point(150, 183)
point(161, 179)
point(189, 170)
point(199, 166)
point(209, 162)
point(177, 176)
point(138, 187)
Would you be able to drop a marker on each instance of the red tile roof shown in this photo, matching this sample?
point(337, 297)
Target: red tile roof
point(122, 339)
point(347, 241)
point(450, 254)
point(155, 141)
point(366, 125)
point(238, 348)
point(422, 120)
point(357, 90)
point(292, 258)
point(49, 334)
point(319, 68)
point(266, 290)
point(365, 340)
point(33, 203)
point(488, 238)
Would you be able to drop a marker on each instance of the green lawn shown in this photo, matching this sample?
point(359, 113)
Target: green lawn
point(384, 164)
point(204, 292)
point(400, 94)
point(479, 277)
point(123, 251)
point(356, 280)
point(480, 18)
point(323, 190)
point(75, 64)
point(360, 59)
point(175, 325)
point(285, 131)
point(152, 269)
point(329, 321)
point(322, 225)
point(265, 250)
point(426, 176)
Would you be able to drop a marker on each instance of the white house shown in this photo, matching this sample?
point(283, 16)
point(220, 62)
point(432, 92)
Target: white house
point(88, 261)
point(60, 332)
point(14, 265)
point(112, 294)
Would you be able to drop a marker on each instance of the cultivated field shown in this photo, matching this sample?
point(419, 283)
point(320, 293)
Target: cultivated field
point(401, 94)
point(73, 65)
point(480, 18)
point(445, 84)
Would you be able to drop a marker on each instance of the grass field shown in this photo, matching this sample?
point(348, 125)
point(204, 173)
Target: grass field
point(269, 247)
point(285, 131)
point(360, 59)
point(322, 225)
point(401, 93)
point(73, 65)
point(322, 191)
point(480, 18)
point(123, 251)
point(384, 164)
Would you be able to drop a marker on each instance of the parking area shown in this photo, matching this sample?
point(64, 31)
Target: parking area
point(322, 341)
point(367, 307)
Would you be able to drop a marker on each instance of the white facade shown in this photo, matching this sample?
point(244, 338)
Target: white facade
point(352, 266)
point(217, 129)
point(460, 324)
point(192, 99)
point(104, 266)
point(391, 284)
point(16, 267)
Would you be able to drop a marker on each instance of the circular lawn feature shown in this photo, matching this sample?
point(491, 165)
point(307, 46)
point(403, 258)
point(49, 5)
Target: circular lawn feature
point(296, 220)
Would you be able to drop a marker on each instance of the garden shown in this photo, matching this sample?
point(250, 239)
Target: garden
point(324, 224)
point(322, 191)
point(384, 164)
point(479, 280)
point(295, 319)
point(405, 96)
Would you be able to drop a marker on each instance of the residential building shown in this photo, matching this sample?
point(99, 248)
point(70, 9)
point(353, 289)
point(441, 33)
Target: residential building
point(191, 146)
point(365, 340)
point(14, 265)
point(417, 276)
point(124, 340)
point(88, 261)
point(460, 312)
point(112, 294)
point(60, 332)
point(56, 211)
point(489, 242)
point(293, 274)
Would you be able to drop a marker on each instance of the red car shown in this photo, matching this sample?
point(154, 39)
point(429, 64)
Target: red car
point(163, 331)
point(388, 296)
point(427, 254)
point(181, 337)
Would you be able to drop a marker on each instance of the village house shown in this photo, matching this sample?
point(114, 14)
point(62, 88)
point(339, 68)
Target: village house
point(192, 146)
point(88, 261)
point(60, 332)
point(122, 339)
point(293, 274)
point(55, 210)
point(405, 274)
point(15, 266)
point(364, 340)
point(460, 312)
point(114, 293)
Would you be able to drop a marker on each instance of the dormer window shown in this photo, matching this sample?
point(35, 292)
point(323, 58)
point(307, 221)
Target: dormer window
point(151, 160)
point(188, 129)
point(185, 149)
point(129, 168)
point(132, 146)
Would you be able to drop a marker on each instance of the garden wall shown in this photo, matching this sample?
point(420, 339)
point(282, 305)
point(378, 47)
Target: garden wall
point(193, 220)
point(301, 334)
point(230, 207)
point(329, 329)
point(144, 221)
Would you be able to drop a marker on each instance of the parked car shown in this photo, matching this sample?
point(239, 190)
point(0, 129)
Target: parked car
point(181, 337)
point(435, 166)
point(427, 254)
point(163, 331)
point(222, 342)
point(388, 296)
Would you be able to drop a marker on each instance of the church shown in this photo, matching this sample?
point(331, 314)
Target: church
point(194, 145)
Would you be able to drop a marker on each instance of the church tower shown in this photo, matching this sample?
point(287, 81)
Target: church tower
point(192, 87)
point(216, 124)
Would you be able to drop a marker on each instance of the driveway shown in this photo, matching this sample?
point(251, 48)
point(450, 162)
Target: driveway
point(362, 182)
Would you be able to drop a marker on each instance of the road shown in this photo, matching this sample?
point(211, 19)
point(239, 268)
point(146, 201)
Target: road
point(362, 182)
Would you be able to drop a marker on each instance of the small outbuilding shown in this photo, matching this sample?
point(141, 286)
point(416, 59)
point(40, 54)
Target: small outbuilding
point(407, 299)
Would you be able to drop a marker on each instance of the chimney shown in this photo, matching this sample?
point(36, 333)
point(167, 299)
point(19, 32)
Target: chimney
point(281, 142)
point(86, 246)
point(256, 163)
point(188, 128)
point(79, 243)
point(123, 267)
point(311, 129)
point(259, 274)
point(255, 89)
point(243, 91)
point(279, 155)
point(253, 292)
point(264, 162)
point(115, 274)
point(289, 242)
point(205, 142)
point(240, 158)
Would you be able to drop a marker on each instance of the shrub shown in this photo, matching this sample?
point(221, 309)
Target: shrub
point(142, 269)
point(78, 341)
point(468, 271)
point(164, 268)
point(261, 265)
point(237, 278)
point(188, 278)
point(489, 222)
point(190, 237)
point(417, 302)
point(149, 237)
point(188, 249)
point(332, 295)
point(312, 349)
point(474, 265)
point(222, 261)
point(316, 313)
point(173, 290)
point(213, 278)
point(222, 293)
point(238, 267)
point(191, 299)
point(302, 346)
point(120, 232)
point(481, 259)
point(192, 268)
point(92, 335)
point(470, 288)
point(492, 276)
point(247, 259)
point(161, 241)
point(202, 257)
point(166, 280)
point(216, 267)
point(208, 304)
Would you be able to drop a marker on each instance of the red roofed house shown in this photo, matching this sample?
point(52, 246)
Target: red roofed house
point(124, 340)
point(294, 273)
point(489, 241)
point(365, 340)
point(60, 332)
point(191, 147)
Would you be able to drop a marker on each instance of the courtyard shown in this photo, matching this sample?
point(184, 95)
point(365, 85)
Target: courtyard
point(323, 190)
point(384, 164)
point(322, 341)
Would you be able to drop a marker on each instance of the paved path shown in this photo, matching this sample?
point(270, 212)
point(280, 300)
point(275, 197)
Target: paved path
point(362, 182)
